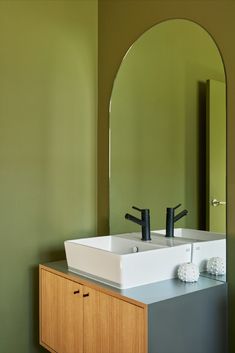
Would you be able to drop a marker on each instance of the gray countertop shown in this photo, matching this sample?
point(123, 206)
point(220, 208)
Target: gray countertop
point(149, 293)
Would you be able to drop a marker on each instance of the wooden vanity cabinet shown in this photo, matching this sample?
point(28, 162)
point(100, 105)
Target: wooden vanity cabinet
point(76, 318)
point(81, 315)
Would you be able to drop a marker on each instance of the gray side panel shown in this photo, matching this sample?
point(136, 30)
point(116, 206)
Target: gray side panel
point(192, 323)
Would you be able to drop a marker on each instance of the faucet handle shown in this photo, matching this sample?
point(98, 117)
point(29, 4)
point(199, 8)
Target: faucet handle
point(144, 212)
point(174, 208)
point(138, 209)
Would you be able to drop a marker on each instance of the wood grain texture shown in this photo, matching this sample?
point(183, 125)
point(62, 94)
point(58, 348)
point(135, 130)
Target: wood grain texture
point(49, 313)
point(92, 330)
point(126, 328)
point(71, 317)
point(112, 325)
point(89, 321)
point(61, 314)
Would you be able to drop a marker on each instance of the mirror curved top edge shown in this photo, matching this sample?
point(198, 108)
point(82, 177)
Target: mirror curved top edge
point(185, 19)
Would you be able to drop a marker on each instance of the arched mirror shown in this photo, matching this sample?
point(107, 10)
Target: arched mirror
point(168, 130)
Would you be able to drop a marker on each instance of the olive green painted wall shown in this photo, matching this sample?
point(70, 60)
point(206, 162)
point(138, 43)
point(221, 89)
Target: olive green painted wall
point(48, 109)
point(120, 24)
point(158, 125)
point(48, 86)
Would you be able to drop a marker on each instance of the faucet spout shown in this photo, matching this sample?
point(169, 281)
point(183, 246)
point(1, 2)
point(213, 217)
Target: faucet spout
point(171, 219)
point(180, 215)
point(144, 222)
point(133, 219)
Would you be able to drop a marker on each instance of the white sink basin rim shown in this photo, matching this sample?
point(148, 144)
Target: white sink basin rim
point(117, 245)
point(124, 263)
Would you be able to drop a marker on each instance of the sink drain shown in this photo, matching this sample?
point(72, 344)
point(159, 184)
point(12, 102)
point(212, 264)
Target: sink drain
point(135, 249)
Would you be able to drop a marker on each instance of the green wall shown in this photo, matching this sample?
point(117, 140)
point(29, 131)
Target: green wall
point(48, 109)
point(158, 125)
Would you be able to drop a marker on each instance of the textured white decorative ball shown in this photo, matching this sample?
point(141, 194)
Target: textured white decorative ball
point(216, 266)
point(188, 272)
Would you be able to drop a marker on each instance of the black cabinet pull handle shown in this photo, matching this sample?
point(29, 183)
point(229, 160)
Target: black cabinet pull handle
point(76, 292)
point(86, 295)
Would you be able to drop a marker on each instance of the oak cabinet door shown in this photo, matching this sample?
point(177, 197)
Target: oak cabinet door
point(79, 319)
point(61, 313)
point(112, 325)
point(123, 324)
point(71, 317)
point(49, 307)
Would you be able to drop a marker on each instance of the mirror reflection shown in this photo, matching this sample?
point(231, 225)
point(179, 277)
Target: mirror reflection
point(168, 130)
point(160, 107)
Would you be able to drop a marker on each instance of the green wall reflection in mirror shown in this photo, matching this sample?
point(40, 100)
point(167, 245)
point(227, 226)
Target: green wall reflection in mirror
point(160, 108)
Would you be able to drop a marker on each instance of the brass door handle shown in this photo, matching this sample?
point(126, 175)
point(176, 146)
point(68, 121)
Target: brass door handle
point(216, 203)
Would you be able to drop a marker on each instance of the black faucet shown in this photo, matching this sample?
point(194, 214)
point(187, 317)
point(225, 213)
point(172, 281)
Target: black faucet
point(144, 222)
point(171, 219)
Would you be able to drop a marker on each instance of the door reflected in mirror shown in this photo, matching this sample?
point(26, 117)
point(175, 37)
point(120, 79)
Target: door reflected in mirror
point(168, 130)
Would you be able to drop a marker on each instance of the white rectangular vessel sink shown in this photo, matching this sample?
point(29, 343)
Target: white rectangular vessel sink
point(124, 263)
point(204, 244)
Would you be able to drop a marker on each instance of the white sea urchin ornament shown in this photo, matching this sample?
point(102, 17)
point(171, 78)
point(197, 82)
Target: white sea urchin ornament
point(188, 272)
point(216, 266)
